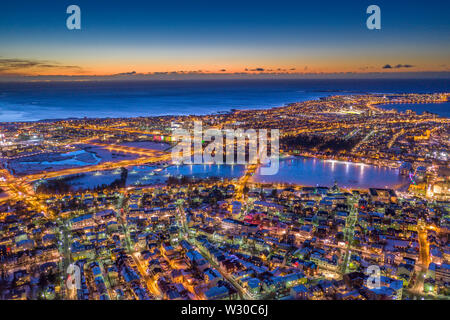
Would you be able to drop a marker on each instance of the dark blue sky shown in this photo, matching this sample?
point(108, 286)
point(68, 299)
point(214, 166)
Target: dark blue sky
point(209, 36)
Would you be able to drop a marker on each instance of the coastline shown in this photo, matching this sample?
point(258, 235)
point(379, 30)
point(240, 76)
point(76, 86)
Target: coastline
point(50, 102)
point(232, 110)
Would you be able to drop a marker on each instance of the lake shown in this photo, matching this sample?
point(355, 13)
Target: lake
point(317, 172)
point(298, 170)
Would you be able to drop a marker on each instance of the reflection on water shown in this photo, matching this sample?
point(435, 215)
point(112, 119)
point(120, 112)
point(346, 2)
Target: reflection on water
point(207, 170)
point(147, 175)
point(295, 170)
point(312, 172)
point(144, 175)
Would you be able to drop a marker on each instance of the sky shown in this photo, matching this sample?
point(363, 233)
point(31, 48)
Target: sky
point(191, 37)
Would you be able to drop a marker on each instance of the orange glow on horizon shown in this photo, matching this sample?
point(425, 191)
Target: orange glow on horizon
point(108, 67)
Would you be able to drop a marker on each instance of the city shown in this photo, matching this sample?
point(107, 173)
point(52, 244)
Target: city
point(98, 195)
point(219, 159)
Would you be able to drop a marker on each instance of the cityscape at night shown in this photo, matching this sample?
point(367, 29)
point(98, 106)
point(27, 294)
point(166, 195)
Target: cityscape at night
point(194, 151)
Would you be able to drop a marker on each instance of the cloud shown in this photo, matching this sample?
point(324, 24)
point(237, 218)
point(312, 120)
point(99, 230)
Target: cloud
point(399, 66)
point(404, 66)
point(15, 65)
point(132, 73)
point(257, 69)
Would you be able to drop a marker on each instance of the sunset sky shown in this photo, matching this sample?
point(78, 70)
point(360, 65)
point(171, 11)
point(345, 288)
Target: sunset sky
point(222, 37)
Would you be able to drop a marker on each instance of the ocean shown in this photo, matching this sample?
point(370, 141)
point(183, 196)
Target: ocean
point(31, 101)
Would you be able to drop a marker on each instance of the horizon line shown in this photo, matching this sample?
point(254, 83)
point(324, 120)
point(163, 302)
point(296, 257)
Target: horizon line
point(438, 75)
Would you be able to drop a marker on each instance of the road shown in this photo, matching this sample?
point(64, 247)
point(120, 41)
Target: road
point(243, 293)
point(114, 129)
point(99, 167)
point(394, 138)
point(424, 246)
point(149, 282)
point(66, 260)
point(133, 150)
point(349, 233)
point(238, 194)
point(19, 190)
point(185, 234)
point(152, 286)
point(424, 258)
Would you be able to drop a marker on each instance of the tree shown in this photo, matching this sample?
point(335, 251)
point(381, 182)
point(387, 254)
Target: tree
point(274, 193)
